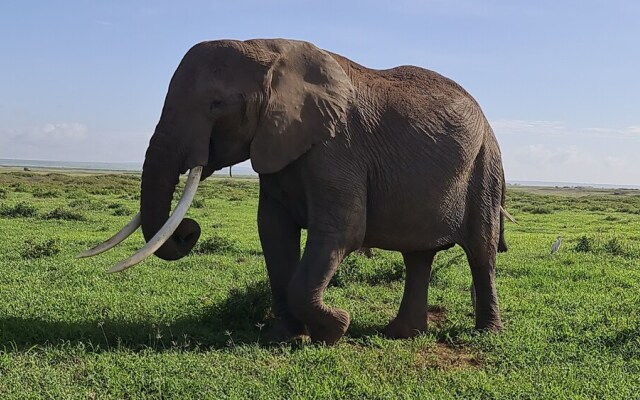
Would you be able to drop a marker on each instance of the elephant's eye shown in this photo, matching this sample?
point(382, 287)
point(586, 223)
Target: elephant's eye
point(215, 104)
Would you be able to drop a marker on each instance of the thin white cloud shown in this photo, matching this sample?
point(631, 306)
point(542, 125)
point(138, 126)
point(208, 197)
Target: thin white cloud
point(544, 155)
point(550, 163)
point(56, 132)
point(457, 8)
point(556, 152)
point(559, 128)
point(45, 135)
point(631, 132)
point(71, 141)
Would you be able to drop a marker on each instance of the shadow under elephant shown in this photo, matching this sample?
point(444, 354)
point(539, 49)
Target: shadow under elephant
point(237, 320)
point(242, 318)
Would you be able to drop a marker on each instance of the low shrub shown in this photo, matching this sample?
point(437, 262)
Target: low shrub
point(215, 244)
point(18, 187)
point(583, 245)
point(78, 194)
point(33, 249)
point(64, 214)
point(120, 212)
point(3, 193)
point(118, 209)
point(614, 247)
point(45, 194)
point(19, 210)
point(78, 203)
point(129, 196)
point(537, 209)
point(358, 268)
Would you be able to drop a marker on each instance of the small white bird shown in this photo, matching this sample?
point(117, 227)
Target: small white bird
point(556, 245)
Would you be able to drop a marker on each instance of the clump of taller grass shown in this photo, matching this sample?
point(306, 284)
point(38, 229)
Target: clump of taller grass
point(45, 193)
point(198, 203)
point(19, 210)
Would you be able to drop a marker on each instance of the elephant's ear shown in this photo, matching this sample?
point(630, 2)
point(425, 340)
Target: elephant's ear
point(309, 96)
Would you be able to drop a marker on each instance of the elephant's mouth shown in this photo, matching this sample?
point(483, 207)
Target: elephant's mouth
point(161, 236)
point(210, 168)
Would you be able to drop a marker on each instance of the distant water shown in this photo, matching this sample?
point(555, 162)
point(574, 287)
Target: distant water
point(103, 166)
point(574, 185)
point(240, 170)
point(98, 166)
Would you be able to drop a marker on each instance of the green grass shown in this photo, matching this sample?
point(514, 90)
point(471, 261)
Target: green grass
point(193, 328)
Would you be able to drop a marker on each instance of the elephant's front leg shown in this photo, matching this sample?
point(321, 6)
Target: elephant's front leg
point(280, 239)
point(321, 258)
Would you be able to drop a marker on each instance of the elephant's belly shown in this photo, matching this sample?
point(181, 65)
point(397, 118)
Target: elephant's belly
point(423, 221)
point(410, 238)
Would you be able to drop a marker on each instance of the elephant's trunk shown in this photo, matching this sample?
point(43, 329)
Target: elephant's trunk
point(160, 175)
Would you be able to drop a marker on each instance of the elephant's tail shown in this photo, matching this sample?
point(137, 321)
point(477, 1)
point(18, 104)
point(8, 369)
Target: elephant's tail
point(502, 243)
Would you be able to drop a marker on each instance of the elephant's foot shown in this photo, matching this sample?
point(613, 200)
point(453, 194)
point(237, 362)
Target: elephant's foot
point(332, 328)
point(489, 324)
point(401, 328)
point(282, 331)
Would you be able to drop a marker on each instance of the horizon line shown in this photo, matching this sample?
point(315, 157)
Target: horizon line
point(508, 181)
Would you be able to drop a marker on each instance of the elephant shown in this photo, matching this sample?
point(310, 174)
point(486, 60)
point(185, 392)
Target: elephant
point(401, 159)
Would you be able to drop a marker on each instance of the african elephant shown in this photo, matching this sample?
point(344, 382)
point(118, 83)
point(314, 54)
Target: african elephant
point(400, 159)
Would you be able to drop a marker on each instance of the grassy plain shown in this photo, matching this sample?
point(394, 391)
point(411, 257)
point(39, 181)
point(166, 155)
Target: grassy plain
point(192, 328)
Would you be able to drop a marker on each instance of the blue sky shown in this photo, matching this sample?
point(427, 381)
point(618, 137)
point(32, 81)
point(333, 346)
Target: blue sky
point(558, 80)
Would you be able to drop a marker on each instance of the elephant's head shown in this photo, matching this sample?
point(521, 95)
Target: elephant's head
point(228, 101)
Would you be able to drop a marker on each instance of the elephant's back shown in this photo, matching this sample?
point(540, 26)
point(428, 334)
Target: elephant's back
point(423, 97)
point(413, 86)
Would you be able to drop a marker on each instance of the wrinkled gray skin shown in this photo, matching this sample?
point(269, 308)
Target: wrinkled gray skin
point(400, 159)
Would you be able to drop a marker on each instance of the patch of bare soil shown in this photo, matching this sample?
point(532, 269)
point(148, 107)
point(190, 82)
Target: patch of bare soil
point(436, 315)
point(448, 357)
point(443, 355)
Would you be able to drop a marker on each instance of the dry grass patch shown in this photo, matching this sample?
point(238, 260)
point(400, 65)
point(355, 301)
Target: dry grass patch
point(448, 357)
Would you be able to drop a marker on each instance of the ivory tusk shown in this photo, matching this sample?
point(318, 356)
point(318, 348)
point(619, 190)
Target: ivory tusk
point(114, 240)
point(169, 227)
point(506, 214)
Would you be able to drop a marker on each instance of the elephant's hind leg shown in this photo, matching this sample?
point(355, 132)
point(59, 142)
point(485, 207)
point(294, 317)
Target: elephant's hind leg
point(412, 316)
point(482, 260)
point(481, 239)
